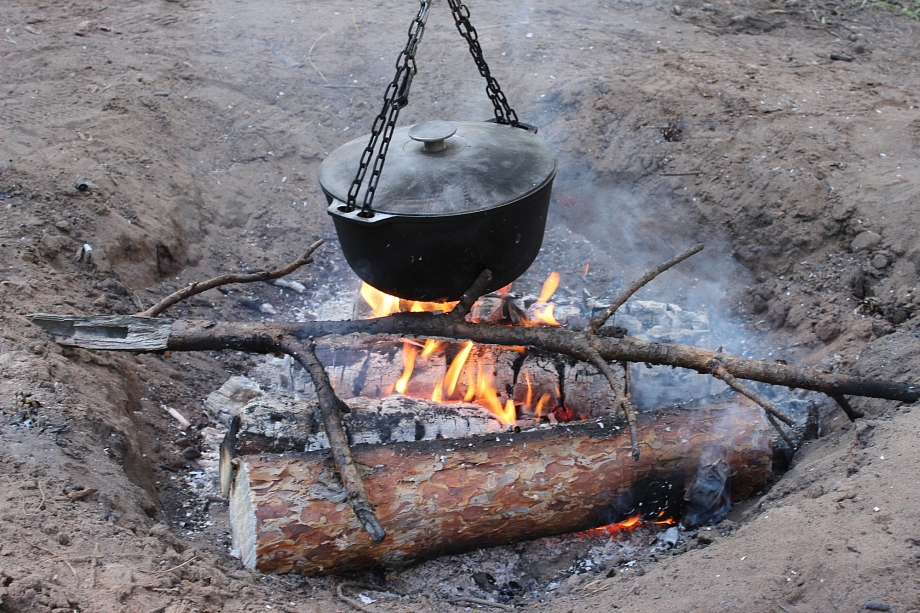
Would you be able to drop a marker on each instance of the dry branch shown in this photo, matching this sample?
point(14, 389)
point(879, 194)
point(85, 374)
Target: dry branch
point(197, 288)
point(601, 319)
point(112, 333)
point(330, 408)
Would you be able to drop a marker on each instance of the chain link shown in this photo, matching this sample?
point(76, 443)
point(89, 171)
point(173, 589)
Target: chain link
point(503, 111)
point(396, 97)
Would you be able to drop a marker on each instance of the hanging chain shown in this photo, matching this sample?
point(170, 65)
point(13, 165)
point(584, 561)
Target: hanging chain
point(395, 97)
point(503, 111)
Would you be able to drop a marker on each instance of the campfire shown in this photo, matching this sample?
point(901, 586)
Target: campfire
point(424, 432)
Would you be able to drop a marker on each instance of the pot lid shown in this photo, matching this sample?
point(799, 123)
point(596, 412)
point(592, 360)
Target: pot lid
point(445, 168)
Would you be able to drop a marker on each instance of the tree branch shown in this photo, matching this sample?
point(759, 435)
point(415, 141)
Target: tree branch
point(114, 333)
point(622, 399)
point(718, 371)
point(469, 298)
point(197, 288)
point(601, 319)
point(330, 407)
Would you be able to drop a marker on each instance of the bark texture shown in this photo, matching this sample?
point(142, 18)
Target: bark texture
point(289, 511)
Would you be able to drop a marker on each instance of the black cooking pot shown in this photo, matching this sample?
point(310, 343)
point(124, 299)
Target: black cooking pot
point(454, 199)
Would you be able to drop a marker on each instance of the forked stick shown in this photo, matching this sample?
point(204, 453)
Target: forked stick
point(196, 288)
point(331, 412)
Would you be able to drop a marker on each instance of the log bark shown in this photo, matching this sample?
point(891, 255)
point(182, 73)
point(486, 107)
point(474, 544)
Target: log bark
point(289, 511)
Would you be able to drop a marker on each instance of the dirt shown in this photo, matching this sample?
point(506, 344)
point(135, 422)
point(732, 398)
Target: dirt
point(150, 143)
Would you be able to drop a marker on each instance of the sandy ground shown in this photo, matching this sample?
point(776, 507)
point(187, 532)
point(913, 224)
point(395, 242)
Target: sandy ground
point(179, 140)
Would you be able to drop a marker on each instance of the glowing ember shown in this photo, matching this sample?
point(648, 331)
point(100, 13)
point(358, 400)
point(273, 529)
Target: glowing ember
point(632, 523)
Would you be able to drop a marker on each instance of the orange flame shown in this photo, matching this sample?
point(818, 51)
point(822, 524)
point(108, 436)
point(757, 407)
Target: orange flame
point(479, 386)
point(383, 304)
point(549, 287)
point(430, 347)
point(541, 403)
point(453, 373)
point(409, 353)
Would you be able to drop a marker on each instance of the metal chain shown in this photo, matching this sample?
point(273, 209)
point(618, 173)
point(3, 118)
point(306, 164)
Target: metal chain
point(503, 111)
point(395, 98)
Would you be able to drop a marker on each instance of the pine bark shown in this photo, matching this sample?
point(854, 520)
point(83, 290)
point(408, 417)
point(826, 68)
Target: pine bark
point(436, 497)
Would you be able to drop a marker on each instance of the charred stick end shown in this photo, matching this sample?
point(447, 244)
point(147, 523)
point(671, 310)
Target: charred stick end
point(369, 521)
point(601, 319)
point(852, 413)
point(476, 290)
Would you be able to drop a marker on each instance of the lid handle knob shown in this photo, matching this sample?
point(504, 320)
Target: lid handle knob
point(432, 134)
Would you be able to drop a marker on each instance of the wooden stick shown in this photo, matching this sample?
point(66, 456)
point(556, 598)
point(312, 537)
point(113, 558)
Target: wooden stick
point(116, 334)
point(330, 407)
point(601, 319)
point(474, 293)
point(197, 288)
point(852, 413)
point(780, 431)
point(718, 371)
point(622, 399)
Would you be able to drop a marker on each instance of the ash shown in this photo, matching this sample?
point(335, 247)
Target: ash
point(529, 571)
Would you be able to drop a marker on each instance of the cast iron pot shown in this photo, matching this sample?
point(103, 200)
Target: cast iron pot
point(453, 200)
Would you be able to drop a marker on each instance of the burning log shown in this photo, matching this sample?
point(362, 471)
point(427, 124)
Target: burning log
point(289, 510)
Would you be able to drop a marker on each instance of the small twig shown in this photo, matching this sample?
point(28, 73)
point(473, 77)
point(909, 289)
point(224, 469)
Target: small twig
point(330, 407)
point(847, 408)
point(601, 319)
point(197, 288)
point(779, 430)
point(346, 599)
point(41, 505)
point(718, 371)
point(780, 605)
point(469, 298)
point(168, 570)
point(52, 554)
point(310, 59)
point(622, 398)
point(482, 601)
point(691, 173)
point(354, 20)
